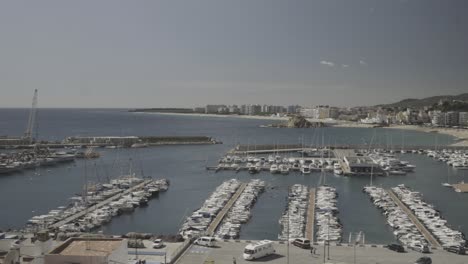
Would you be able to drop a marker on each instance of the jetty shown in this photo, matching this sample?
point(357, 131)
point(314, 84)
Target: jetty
point(98, 205)
point(220, 216)
point(285, 148)
point(422, 229)
point(311, 216)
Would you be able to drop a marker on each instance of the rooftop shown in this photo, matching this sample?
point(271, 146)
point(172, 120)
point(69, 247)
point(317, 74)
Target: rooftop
point(87, 247)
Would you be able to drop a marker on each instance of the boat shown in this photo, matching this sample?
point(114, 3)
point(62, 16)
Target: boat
point(274, 169)
point(305, 170)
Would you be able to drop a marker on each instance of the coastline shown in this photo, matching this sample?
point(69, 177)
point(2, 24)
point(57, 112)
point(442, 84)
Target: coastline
point(277, 118)
point(460, 134)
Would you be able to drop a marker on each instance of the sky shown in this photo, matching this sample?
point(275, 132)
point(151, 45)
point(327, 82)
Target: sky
point(188, 53)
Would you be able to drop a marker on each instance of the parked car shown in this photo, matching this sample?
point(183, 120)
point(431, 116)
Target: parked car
point(456, 249)
point(423, 260)
point(396, 247)
point(302, 243)
point(420, 248)
point(206, 241)
point(158, 243)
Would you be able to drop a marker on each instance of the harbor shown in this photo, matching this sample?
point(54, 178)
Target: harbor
point(98, 205)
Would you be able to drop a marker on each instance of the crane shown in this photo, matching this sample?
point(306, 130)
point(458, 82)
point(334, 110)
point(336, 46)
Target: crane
point(32, 122)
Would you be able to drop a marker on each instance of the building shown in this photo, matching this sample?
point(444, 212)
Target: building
point(307, 112)
point(233, 109)
point(254, 109)
point(199, 110)
point(463, 119)
point(89, 251)
point(213, 109)
point(451, 119)
point(293, 109)
point(437, 118)
point(359, 165)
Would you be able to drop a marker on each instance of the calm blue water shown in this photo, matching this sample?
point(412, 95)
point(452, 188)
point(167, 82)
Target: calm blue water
point(25, 194)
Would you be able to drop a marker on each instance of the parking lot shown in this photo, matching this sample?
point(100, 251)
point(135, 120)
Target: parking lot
point(226, 252)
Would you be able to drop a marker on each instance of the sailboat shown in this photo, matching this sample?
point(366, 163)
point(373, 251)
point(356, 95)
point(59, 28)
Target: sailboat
point(447, 184)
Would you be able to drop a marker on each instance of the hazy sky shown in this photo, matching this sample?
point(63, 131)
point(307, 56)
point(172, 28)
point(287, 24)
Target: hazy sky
point(187, 53)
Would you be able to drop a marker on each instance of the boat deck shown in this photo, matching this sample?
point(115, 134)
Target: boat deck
point(219, 218)
point(310, 226)
point(428, 235)
point(460, 187)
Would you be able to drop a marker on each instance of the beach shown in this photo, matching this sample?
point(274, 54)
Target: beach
point(460, 134)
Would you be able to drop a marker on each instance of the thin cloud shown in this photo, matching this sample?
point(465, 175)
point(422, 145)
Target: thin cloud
point(344, 65)
point(327, 63)
point(362, 62)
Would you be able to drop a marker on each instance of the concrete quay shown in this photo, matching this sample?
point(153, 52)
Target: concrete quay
point(310, 225)
point(98, 205)
point(220, 216)
point(227, 251)
point(428, 235)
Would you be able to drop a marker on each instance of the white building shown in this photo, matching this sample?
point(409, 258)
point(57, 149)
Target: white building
point(463, 119)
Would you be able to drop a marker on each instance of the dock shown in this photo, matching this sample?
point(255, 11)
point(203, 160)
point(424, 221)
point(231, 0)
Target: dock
point(98, 205)
point(219, 218)
point(310, 225)
point(460, 187)
point(428, 235)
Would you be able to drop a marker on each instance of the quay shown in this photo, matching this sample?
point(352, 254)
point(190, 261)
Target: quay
point(428, 235)
point(220, 216)
point(310, 225)
point(98, 205)
point(265, 149)
point(226, 251)
point(111, 141)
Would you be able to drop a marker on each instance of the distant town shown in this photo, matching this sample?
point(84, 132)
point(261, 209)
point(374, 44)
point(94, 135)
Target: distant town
point(444, 113)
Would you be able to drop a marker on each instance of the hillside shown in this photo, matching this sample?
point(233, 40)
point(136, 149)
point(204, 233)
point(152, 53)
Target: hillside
point(429, 101)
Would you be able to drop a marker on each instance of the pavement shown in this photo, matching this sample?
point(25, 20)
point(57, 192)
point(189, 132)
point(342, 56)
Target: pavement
point(151, 255)
point(225, 252)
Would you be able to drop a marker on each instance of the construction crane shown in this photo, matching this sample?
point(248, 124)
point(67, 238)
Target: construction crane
point(28, 135)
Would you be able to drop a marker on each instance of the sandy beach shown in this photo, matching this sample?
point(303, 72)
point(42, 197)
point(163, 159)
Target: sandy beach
point(460, 134)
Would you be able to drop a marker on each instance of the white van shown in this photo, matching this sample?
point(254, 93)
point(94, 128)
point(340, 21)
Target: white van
point(206, 241)
point(258, 250)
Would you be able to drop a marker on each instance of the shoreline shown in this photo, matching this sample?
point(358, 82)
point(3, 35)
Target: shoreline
point(461, 135)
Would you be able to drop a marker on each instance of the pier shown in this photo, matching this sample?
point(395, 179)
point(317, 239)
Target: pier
point(220, 216)
point(428, 235)
point(309, 232)
point(265, 149)
point(98, 205)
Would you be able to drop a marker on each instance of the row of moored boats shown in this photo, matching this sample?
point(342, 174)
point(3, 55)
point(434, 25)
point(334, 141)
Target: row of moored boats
point(403, 228)
point(240, 212)
point(100, 204)
point(198, 222)
point(430, 217)
point(294, 219)
point(328, 226)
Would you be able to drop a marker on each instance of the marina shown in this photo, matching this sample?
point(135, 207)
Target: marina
point(329, 228)
point(431, 219)
point(18, 161)
point(206, 219)
point(407, 230)
point(293, 221)
point(239, 213)
point(422, 229)
point(98, 206)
